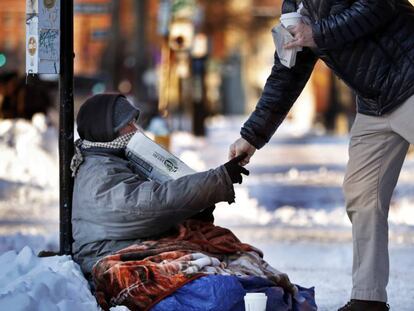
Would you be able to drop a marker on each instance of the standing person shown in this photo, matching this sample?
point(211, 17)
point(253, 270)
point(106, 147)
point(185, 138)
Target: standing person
point(370, 45)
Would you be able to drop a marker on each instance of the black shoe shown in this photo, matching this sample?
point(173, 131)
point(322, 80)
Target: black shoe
point(365, 305)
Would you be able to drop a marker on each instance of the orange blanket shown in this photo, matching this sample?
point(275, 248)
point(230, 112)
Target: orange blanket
point(141, 275)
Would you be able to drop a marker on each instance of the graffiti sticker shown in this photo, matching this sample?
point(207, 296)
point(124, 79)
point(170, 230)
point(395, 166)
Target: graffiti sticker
point(49, 3)
point(32, 46)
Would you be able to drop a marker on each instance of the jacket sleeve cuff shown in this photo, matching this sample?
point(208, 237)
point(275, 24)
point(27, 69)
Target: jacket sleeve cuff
point(318, 37)
point(228, 185)
point(252, 139)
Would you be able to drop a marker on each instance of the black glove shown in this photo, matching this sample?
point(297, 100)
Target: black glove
point(235, 170)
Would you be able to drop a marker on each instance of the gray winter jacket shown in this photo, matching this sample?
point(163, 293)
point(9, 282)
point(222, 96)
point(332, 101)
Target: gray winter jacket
point(113, 207)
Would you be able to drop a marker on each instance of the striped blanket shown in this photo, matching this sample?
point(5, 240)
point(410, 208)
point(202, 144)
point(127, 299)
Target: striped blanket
point(143, 274)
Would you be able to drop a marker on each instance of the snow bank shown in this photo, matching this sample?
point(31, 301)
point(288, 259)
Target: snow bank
point(247, 211)
point(29, 152)
point(37, 242)
point(47, 284)
point(29, 176)
point(30, 283)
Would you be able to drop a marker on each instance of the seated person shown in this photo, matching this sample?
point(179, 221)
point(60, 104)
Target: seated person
point(142, 241)
point(113, 207)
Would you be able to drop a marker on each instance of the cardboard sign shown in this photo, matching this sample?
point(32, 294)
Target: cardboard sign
point(42, 36)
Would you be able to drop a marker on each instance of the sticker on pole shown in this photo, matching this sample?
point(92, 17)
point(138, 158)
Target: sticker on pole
point(31, 54)
point(32, 46)
point(42, 36)
point(49, 3)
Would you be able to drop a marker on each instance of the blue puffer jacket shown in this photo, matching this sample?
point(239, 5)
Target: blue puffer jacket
point(367, 43)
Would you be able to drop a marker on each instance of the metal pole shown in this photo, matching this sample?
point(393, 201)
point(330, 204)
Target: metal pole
point(66, 120)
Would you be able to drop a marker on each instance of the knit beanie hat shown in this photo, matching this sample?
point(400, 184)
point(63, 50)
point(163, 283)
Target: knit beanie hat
point(124, 112)
point(99, 118)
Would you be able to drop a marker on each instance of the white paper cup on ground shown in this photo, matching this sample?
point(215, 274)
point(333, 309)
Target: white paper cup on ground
point(255, 302)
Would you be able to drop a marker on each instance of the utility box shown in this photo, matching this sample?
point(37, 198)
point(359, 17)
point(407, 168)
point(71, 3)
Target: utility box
point(42, 36)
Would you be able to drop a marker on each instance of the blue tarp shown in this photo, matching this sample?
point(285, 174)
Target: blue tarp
point(222, 293)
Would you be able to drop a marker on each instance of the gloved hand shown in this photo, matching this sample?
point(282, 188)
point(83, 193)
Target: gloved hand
point(235, 170)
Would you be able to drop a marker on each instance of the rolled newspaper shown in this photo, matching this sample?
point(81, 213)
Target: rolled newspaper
point(154, 162)
point(281, 36)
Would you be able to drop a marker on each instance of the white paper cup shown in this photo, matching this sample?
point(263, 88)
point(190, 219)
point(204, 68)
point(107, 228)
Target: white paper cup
point(290, 19)
point(255, 302)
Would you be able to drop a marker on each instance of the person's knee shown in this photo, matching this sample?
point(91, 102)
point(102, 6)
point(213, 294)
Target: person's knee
point(366, 199)
point(359, 194)
point(349, 187)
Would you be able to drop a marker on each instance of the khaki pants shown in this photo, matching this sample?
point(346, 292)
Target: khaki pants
point(376, 153)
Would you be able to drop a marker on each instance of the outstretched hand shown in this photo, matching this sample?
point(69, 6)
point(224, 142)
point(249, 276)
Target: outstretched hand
point(235, 170)
point(240, 147)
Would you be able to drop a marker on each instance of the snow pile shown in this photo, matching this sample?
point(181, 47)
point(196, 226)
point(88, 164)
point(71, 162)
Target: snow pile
point(32, 283)
point(29, 152)
point(402, 213)
point(29, 178)
point(247, 211)
point(37, 242)
point(244, 211)
point(253, 223)
point(322, 209)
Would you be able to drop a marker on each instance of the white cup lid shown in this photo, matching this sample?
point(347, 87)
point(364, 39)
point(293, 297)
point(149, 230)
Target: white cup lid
point(291, 15)
point(255, 295)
